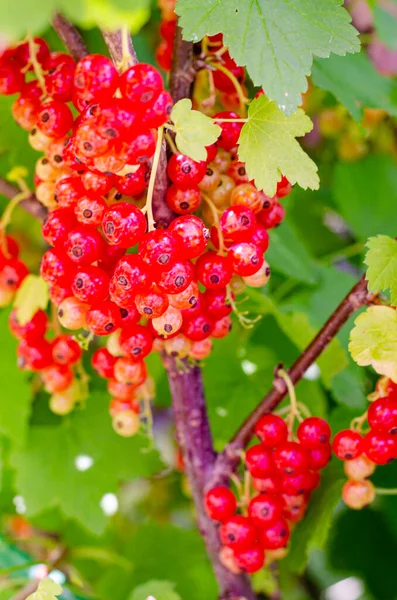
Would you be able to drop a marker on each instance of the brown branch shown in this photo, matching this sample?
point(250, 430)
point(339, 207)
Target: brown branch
point(357, 297)
point(30, 205)
point(182, 70)
point(25, 592)
point(195, 441)
point(70, 37)
point(114, 42)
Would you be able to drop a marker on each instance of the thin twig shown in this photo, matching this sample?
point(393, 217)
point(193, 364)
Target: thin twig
point(70, 36)
point(30, 205)
point(114, 42)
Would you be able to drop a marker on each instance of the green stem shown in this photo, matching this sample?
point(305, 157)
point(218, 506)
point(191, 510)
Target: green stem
point(386, 491)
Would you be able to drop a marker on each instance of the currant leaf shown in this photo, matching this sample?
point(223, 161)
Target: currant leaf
point(373, 340)
point(312, 533)
point(161, 590)
point(15, 410)
point(268, 146)
point(355, 82)
point(381, 260)
point(46, 590)
point(31, 296)
point(194, 130)
point(46, 473)
point(275, 39)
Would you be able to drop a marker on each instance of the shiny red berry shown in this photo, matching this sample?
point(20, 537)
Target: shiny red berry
point(213, 271)
point(382, 415)
point(291, 458)
point(271, 430)
point(347, 444)
point(265, 509)
point(259, 461)
point(220, 503)
point(238, 532)
point(123, 225)
point(314, 432)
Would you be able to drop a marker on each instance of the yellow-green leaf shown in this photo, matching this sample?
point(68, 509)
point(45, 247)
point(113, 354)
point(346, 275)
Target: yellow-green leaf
point(194, 130)
point(269, 147)
point(31, 296)
point(381, 260)
point(47, 590)
point(374, 337)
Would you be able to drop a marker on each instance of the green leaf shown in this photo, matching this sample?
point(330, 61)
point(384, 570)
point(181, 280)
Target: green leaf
point(109, 14)
point(15, 391)
point(386, 27)
point(31, 296)
point(288, 255)
point(355, 82)
point(381, 260)
point(373, 341)
point(275, 39)
point(194, 130)
point(46, 473)
point(20, 18)
point(160, 590)
point(170, 553)
point(362, 192)
point(298, 328)
point(312, 533)
point(47, 590)
point(268, 146)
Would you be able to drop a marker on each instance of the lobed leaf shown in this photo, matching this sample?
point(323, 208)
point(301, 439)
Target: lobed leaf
point(269, 147)
point(381, 259)
point(194, 130)
point(275, 39)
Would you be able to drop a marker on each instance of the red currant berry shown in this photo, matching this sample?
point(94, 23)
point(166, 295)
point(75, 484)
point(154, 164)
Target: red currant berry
point(57, 378)
point(90, 211)
point(141, 84)
point(215, 304)
point(152, 304)
point(34, 356)
point(55, 267)
point(57, 226)
point(123, 225)
point(291, 458)
point(314, 432)
point(97, 183)
point(271, 430)
point(84, 245)
point(230, 131)
point(250, 560)
point(380, 448)
point(238, 223)
point(183, 200)
point(238, 533)
point(177, 278)
point(90, 284)
point(192, 235)
point(197, 327)
point(133, 184)
point(271, 484)
point(276, 535)
point(347, 444)
point(246, 259)
point(319, 457)
point(259, 461)
point(382, 415)
point(103, 363)
point(68, 191)
point(95, 78)
point(185, 171)
point(160, 112)
point(220, 503)
point(55, 119)
point(272, 216)
point(136, 342)
point(265, 509)
point(213, 271)
point(103, 318)
point(301, 483)
point(65, 350)
point(159, 249)
point(35, 328)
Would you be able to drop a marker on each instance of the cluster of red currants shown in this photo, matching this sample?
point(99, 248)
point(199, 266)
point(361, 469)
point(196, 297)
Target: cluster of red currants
point(176, 290)
point(377, 447)
point(284, 473)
